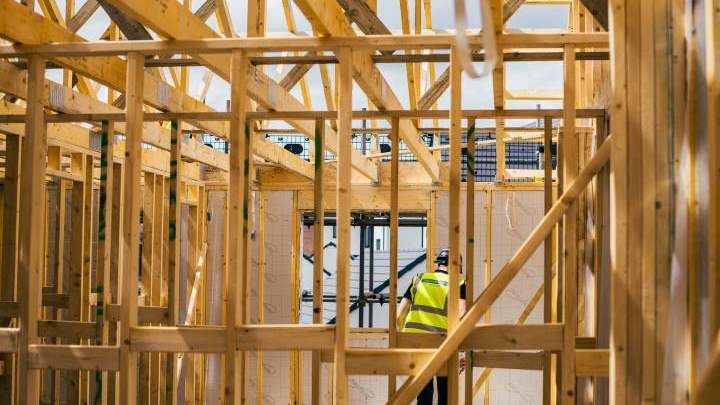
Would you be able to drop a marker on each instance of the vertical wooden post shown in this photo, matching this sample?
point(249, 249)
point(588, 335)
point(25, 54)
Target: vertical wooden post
point(394, 221)
point(54, 160)
point(237, 216)
point(105, 229)
point(469, 246)
point(77, 247)
point(116, 262)
point(342, 214)
point(131, 226)
point(318, 251)
point(488, 273)
point(146, 270)
point(618, 207)
point(86, 262)
point(173, 240)
point(570, 166)
point(248, 212)
point(454, 216)
point(158, 242)
point(712, 60)
point(11, 196)
point(548, 252)
point(295, 359)
point(31, 255)
point(261, 289)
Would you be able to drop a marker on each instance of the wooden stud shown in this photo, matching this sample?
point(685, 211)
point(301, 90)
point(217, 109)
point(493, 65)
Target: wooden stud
point(394, 221)
point(548, 254)
point(158, 242)
point(105, 230)
point(31, 255)
point(234, 310)
point(342, 214)
point(262, 264)
point(318, 252)
point(146, 271)
point(618, 207)
point(11, 207)
point(488, 271)
point(295, 356)
point(173, 242)
point(454, 215)
point(712, 60)
point(469, 245)
point(86, 261)
point(570, 167)
point(77, 249)
point(131, 226)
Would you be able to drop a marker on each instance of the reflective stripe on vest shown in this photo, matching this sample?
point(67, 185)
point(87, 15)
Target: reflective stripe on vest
point(428, 311)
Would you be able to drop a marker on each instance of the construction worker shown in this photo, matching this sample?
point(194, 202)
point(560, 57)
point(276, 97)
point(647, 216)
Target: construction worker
point(423, 309)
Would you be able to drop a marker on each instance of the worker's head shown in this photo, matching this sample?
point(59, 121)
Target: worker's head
point(443, 259)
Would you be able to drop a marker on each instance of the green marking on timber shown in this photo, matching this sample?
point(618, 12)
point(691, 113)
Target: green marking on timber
point(318, 148)
point(171, 234)
point(470, 153)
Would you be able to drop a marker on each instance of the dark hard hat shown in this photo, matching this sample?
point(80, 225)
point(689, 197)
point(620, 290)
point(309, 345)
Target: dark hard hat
point(443, 258)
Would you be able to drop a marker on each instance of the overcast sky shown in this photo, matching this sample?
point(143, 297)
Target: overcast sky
point(476, 93)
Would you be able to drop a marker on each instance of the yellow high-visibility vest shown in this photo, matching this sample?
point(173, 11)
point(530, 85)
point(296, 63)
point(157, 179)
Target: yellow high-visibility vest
point(428, 311)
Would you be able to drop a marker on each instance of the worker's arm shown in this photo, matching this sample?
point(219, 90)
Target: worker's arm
point(402, 312)
point(461, 308)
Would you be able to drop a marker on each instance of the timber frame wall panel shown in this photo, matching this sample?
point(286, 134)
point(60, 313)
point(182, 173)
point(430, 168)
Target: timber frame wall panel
point(121, 347)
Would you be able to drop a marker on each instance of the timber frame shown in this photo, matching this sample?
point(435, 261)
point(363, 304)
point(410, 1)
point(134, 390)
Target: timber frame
point(149, 165)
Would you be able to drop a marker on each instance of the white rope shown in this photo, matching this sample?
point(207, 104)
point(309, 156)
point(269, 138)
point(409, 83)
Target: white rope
point(461, 40)
point(511, 211)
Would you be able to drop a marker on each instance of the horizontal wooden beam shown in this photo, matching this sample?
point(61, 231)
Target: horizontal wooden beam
point(209, 339)
point(401, 361)
point(387, 361)
point(495, 337)
point(310, 59)
point(146, 314)
point(74, 357)
point(178, 339)
point(73, 330)
point(285, 337)
point(307, 115)
point(532, 360)
point(298, 43)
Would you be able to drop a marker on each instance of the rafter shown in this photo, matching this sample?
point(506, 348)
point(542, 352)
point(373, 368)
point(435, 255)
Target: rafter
point(409, 71)
point(27, 27)
point(294, 76)
point(83, 15)
point(359, 12)
point(132, 29)
point(327, 18)
point(297, 73)
point(156, 14)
